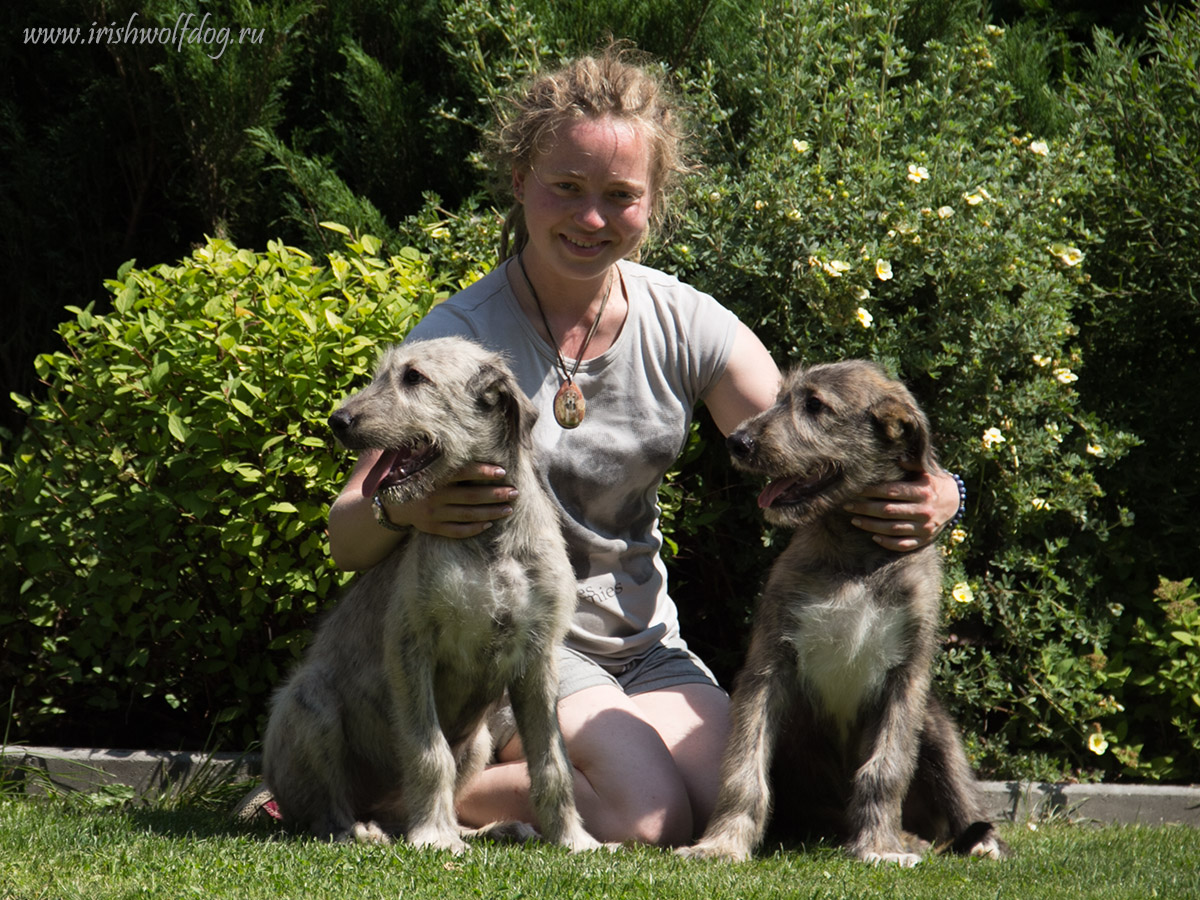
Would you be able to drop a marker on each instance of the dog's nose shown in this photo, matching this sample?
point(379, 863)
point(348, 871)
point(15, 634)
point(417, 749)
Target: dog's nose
point(740, 444)
point(340, 422)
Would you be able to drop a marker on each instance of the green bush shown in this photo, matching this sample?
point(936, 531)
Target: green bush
point(164, 529)
point(1152, 712)
point(1143, 326)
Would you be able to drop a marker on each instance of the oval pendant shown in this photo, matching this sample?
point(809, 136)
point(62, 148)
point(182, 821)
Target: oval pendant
point(569, 405)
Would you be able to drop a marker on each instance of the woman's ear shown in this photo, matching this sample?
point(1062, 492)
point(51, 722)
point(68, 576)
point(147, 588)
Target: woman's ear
point(518, 184)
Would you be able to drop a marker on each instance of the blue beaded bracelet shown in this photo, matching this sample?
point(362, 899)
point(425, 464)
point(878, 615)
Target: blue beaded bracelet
point(962, 501)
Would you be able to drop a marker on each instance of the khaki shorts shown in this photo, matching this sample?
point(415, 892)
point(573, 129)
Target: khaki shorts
point(660, 668)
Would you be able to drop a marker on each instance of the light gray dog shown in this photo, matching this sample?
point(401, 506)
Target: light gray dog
point(836, 684)
point(386, 716)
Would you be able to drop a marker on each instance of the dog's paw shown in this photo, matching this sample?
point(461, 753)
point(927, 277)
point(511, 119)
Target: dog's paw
point(504, 832)
point(894, 848)
point(367, 833)
point(582, 842)
point(433, 838)
point(715, 850)
point(899, 857)
point(991, 847)
point(980, 840)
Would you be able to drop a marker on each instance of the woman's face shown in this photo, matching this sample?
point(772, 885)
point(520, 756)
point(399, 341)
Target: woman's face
point(587, 199)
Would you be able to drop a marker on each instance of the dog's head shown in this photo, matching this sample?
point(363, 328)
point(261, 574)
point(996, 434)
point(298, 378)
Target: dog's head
point(433, 407)
point(834, 430)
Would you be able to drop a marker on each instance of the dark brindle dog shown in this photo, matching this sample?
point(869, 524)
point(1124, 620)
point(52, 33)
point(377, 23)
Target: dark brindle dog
point(836, 685)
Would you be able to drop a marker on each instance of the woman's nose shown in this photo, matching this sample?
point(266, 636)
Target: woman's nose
point(589, 214)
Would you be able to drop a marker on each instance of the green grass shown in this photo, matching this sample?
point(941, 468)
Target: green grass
point(61, 850)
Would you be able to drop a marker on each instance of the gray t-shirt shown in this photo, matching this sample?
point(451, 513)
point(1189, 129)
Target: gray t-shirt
point(640, 394)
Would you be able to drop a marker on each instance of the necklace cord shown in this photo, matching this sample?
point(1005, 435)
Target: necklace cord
point(569, 377)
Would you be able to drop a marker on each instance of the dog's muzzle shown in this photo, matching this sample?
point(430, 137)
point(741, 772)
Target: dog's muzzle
point(740, 445)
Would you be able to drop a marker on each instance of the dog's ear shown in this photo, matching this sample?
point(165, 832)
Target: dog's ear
point(494, 387)
point(905, 427)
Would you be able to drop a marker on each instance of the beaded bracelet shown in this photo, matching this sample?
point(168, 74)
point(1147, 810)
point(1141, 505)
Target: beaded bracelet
point(381, 515)
point(962, 502)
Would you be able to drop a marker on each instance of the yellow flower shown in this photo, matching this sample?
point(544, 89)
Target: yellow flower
point(864, 318)
point(883, 270)
point(440, 232)
point(862, 294)
point(1039, 503)
point(1041, 148)
point(994, 30)
point(799, 146)
point(917, 174)
point(974, 199)
point(1041, 361)
point(1065, 376)
point(991, 438)
point(834, 268)
point(945, 212)
point(962, 593)
point(758, 204)
point(1096, 450)
point(1096, 742)
point(958, 535)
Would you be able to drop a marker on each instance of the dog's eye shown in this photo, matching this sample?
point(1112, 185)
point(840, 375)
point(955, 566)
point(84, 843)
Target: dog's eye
point(813, 404)
point(413, 376)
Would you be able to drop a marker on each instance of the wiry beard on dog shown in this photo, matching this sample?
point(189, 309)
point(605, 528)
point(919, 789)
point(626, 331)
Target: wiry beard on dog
point(838, 671)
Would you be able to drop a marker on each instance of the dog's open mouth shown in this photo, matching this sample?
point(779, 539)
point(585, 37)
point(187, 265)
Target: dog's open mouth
point(797, 488)
point(396, 466)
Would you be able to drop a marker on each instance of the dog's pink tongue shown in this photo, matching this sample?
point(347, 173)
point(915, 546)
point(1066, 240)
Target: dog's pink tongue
point(773, 490)
point(379, 471)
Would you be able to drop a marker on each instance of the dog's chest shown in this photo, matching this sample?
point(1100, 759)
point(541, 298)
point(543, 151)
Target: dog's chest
point(845, 646)
point(478, 618)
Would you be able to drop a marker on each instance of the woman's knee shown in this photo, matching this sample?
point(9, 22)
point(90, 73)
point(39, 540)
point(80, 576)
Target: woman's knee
point(632, 789)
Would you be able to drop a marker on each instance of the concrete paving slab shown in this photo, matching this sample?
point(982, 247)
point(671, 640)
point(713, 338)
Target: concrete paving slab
point(152, 774)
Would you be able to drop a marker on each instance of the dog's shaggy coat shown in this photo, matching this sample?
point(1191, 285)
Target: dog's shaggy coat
point(836, 685)
point(386, 716)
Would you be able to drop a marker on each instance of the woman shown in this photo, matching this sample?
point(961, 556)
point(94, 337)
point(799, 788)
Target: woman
point(615, 356)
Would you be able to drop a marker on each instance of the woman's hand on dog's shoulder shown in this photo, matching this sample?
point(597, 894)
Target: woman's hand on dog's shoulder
point(465, 507)
point(907, 515)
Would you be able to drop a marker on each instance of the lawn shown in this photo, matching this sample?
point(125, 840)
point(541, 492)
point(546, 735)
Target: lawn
point(58, 850)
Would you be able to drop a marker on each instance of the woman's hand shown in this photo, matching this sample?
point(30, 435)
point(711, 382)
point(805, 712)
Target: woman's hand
point(464, 507)
point(907, 515)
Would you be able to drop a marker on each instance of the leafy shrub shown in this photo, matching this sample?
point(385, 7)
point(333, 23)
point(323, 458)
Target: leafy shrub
point(164, 534)
point(1143, 102)
point(1153, 709)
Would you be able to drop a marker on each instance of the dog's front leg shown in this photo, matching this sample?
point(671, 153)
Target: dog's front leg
point(761, 699)
point(426, 758)
point(877, 793)
point(534, 696)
